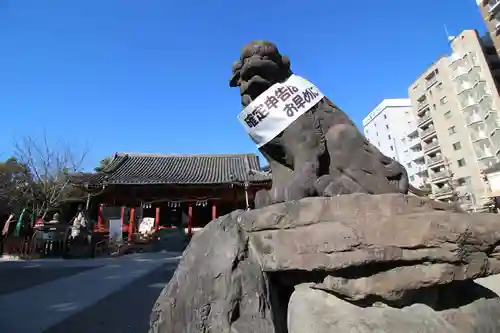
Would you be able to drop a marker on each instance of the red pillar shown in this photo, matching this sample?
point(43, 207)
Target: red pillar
point(131, 224)
point(190, 219)
point(157, 219)
point(99, 217)
point(214, 211)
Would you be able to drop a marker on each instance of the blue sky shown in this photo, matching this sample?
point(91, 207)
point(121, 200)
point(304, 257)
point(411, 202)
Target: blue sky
point(152, 76)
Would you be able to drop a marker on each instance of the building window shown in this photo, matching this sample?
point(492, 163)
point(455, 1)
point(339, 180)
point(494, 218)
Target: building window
point(434, 106)
point(389, 136)
point(463, 181)
point(392, 148)
point(377, 133)
point(439, 86)
point(452, 130)
point(461, 163)
point(387, 126)
point(447, 115)
point(443, 100)
point(412, 178)
point(385, 116)
point(457, 146)
point(408, 165)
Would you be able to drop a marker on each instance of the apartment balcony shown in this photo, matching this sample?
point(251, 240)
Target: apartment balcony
point(434, 161)
point(474, 119)
point(483, 153)
point(429, 146)
point(493, 7)
point(427, 133)
point(415, 155)
point(439, 176)
point(413, 141)
point(480, 96)
point(430, 82)
point(477, 136)
point(469, 83)
point(424, 120)
point(422, 172)
point(443, 193)
point(412, 132)
point(421, 105)
point(492, 126)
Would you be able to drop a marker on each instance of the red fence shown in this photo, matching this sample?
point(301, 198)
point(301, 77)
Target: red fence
point(19, 246)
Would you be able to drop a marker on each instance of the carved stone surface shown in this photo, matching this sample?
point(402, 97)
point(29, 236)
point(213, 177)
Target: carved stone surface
point(370, 257)
point(322, 153)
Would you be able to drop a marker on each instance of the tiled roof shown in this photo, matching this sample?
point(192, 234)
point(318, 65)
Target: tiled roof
point(178, 169)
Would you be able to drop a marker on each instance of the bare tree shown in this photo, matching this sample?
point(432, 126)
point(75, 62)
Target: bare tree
point(50, 167)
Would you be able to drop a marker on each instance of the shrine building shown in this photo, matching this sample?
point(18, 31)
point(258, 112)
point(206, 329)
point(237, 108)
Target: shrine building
point(175, 190)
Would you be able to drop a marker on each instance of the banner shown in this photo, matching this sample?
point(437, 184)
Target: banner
point(275, 109)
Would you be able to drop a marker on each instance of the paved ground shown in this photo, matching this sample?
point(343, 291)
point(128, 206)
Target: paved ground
point(126, 311)
point(100, 295)
point(16, 279)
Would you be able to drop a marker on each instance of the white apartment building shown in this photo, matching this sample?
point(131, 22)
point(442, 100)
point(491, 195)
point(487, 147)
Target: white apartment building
point(457, 105)
point(392, 128)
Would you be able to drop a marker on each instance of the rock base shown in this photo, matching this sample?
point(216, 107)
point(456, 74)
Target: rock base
point(387, 263)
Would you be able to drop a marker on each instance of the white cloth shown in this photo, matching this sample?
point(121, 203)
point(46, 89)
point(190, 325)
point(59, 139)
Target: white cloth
point(278, 107)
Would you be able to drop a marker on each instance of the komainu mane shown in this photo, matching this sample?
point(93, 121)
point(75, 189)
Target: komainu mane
point(322, 153)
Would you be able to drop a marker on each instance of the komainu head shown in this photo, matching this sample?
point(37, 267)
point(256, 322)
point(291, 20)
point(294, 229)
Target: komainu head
point(260, 66)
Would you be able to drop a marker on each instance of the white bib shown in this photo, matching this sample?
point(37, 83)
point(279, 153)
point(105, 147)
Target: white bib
point(275, 109)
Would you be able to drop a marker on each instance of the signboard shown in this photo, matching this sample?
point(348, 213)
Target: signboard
point(279, 106)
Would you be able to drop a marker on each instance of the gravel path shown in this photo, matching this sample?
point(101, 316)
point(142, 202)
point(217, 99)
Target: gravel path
point(125, 311)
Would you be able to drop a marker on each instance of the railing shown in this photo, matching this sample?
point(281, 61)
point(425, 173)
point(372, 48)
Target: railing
point(35, 245)
point(440, 174)
point(493, 5)
point(430, 82)
point(443, 190)
point(422, 104)
point(434, 160)
point(473, 119)
point(431, 145)
point(413, 141)
point(428, 131)
point(18, 246)
point(424, 119)
point(32, 246)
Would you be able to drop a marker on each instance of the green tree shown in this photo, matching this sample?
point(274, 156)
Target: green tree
point(105, 162)
point(15, 191)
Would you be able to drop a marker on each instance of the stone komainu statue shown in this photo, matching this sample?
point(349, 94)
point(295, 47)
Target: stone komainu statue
point(321, 153)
